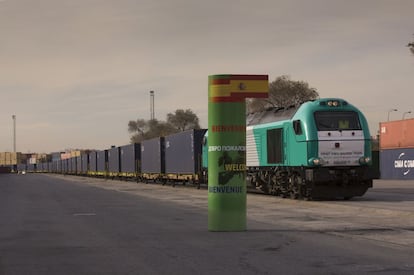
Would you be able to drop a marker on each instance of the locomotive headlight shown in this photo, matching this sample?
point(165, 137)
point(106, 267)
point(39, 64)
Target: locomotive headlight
point(333, 103)
point(315, 161)
point(364, 160)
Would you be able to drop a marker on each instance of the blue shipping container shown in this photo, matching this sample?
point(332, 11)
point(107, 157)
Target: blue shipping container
point(101, 161)
point(114, 160)
point(93, 162)
point(130, 157)
point(183, 152)
point(153, 156)
point(85, 163)
point(397, 164)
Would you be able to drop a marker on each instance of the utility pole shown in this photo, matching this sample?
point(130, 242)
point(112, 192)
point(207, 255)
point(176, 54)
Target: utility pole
point(152, 107)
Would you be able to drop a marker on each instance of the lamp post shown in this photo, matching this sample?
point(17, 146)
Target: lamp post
point(391, 110)
point(408, 112)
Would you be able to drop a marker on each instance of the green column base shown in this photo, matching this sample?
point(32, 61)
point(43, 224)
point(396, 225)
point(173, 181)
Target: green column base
point(226, 213)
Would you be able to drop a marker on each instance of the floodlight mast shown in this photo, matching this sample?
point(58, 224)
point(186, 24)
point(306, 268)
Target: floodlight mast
point(14, 133)
point(152, 107)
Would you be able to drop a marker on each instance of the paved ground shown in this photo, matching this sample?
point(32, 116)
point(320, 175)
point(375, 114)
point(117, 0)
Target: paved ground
point(69, 225)
point(385, 213)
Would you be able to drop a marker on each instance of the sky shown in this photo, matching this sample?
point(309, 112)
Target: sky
point(75, 72)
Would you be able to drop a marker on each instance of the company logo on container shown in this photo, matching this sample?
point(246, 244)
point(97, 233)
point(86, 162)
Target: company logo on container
point(404, 164)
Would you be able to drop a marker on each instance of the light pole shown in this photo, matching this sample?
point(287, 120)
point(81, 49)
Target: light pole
point(408, 112)
point(14, 133)
point(391, 110)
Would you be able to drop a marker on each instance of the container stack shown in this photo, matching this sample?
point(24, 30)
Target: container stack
point(10, 158)
point(397, 149)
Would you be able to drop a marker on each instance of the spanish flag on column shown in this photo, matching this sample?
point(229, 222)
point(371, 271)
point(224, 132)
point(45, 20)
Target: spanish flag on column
point(233, 88)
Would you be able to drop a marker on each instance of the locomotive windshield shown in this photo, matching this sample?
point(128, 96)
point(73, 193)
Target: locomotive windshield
point(330, 121)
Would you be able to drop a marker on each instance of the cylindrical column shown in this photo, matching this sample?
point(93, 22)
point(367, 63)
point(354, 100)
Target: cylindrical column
point(227, 166)
point(227, 148)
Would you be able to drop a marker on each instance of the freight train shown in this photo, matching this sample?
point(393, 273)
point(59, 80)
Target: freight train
point(318, 149)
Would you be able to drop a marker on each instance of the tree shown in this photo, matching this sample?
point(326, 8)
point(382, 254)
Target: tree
point(159, 129)
point(139, 126)
point(183, 120)
point(147, 129)
point(284, 92)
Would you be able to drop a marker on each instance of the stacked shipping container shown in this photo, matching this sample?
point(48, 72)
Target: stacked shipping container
point(8, 158)
point(397, 149)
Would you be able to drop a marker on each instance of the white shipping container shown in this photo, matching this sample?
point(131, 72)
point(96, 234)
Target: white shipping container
point(65, 156)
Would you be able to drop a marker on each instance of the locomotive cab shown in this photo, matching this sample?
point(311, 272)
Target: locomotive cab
point(342, 153)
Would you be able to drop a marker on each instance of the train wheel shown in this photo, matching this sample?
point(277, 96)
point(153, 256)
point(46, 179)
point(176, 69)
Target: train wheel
point(262, 180)
point(282, 184)
point(294, 186)
point(273, 190)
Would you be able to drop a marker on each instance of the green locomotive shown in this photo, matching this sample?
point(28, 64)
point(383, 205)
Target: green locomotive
point(320, 149)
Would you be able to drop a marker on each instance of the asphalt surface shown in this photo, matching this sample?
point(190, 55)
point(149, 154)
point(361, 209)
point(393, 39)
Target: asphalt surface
point(70, 225)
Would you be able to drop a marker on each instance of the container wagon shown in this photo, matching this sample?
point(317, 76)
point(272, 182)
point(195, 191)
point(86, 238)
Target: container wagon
point(183, 156)
point(153, 159)
point(131, 160)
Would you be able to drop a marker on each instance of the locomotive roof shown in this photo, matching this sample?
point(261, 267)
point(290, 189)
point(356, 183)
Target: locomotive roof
point(271, 115)
point(275, 114)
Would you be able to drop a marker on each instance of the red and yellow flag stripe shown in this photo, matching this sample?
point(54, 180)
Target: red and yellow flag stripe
point(230, 88)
